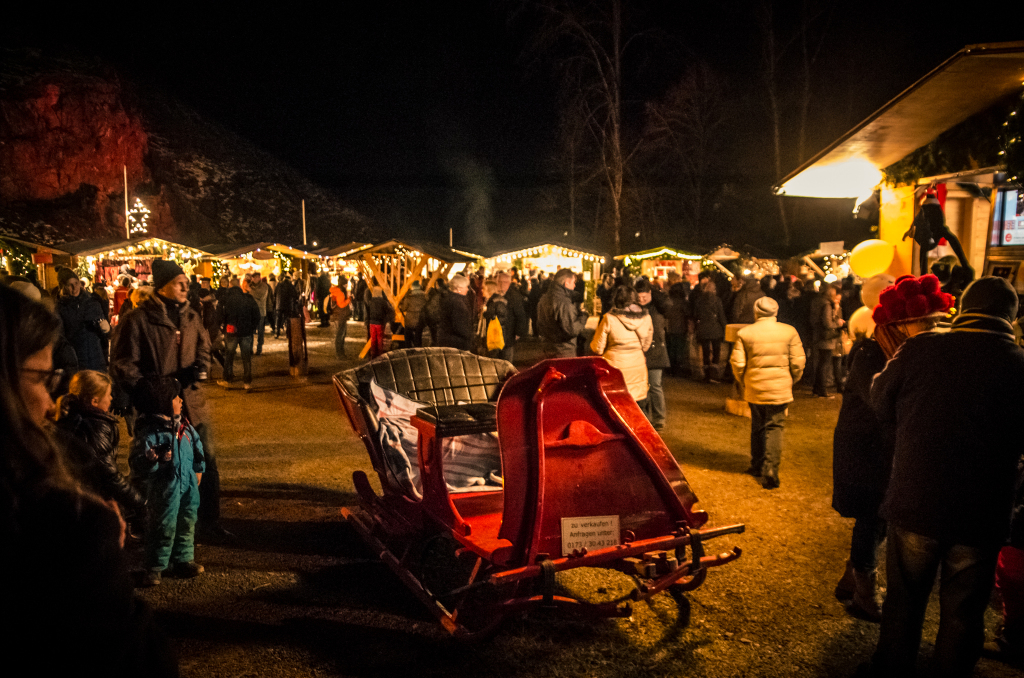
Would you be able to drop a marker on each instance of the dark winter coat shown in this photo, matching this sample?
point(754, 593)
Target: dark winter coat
point(455, 327)
point(677, 314)
point(379, 311)
point(90, 438)
point(412, 307)
point(81, 318)
point(861, 446)
point(286, 299)
point(559, 320)
point(657, 354)
point(69, 594)
point(508, 309)
point(955, 400)
point(825, 317)
point(150, 346)
point(240, 313)
point(742, 310)
point(709, 316)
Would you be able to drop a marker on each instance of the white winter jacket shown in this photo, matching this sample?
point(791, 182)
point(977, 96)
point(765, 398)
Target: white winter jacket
point(622, 338)
point(767, 359)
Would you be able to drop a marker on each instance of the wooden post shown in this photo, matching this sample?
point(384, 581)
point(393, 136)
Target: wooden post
point(303, 224)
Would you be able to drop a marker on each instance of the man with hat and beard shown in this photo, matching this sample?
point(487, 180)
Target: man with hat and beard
point(955, 400)
point(165, 338)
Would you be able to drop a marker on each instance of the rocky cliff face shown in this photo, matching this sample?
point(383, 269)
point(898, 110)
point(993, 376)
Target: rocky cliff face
point(68, 129)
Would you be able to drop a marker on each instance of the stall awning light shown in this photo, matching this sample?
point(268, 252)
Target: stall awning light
point(853, 178)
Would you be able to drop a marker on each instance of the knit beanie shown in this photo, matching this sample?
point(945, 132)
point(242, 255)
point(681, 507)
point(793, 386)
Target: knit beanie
point(164, 272)
point(154, 396)
point(64, 275)
point(766, 307)
point(990, 296)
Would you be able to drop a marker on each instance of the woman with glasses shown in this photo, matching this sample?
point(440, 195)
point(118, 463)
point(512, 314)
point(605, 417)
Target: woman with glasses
point(66, 583)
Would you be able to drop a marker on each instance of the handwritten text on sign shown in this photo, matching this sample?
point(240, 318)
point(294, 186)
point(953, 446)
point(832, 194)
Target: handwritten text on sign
point(589, 532)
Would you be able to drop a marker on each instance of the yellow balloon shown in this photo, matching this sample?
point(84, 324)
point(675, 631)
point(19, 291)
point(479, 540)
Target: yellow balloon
point(861, 323)
point(873, 287)
point(871, 257)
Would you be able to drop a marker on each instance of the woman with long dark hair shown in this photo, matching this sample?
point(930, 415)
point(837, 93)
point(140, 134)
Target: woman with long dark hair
point(67, 588)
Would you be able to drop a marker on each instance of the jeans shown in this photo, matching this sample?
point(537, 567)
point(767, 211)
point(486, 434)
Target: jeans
point(823, 360)
point(209, 488)
point(229, 357)
point(868, 534)
point(414, 337)
point(655, 410)
point(259, 334)
point(965, 584)
point(711, 349)
point(766, 424)
point(339, 338)
point(678, 353)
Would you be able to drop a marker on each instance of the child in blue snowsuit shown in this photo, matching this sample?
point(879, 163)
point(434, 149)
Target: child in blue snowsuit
point(167, 456)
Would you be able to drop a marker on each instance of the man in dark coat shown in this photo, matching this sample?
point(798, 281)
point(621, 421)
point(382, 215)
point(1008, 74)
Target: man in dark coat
point(241, 317)
point(287, 301)
point(955, 400)
point(560, 320)
point(83, 320)
point(164, 338)
point(455, 327)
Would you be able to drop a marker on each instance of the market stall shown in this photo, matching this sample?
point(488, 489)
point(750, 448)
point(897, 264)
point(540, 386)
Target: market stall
point(549, 258)
point(20, 257)
point(658, 262)
point(396, 265)
point(262, 257)
point(105, 261)
point(733, 262)
point(336, 259)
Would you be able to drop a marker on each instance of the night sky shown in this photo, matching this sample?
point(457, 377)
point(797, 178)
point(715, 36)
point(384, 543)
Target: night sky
point(407, 109)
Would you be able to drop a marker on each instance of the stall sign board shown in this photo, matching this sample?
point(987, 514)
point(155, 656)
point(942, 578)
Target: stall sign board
point(42, 258)
point(589, 532)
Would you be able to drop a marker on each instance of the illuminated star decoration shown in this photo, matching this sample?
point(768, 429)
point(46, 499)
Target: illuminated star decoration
point(137, 217)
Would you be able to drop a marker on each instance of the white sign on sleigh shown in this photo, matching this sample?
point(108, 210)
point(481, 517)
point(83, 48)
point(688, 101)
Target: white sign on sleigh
point(589, 532)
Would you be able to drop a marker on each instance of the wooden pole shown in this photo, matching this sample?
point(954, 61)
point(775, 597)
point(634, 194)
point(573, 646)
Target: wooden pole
point(303, 223)
point(127, 231)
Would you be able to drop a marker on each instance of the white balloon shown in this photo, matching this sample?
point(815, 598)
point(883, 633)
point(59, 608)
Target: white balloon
point(873, 287)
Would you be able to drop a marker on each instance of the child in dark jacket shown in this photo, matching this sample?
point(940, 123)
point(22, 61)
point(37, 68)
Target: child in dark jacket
point(167, 455)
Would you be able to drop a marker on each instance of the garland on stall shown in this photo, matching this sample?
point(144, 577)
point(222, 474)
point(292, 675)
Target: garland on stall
point(994, 137)
point(15, 258)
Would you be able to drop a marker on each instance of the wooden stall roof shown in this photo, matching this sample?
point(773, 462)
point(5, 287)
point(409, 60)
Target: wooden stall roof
point(665, 252)
point(343, 250)
point(967, 83)
point(92, 248)
point(34, 245)
point(232, 251)
point(438, 252)
point(521, 252)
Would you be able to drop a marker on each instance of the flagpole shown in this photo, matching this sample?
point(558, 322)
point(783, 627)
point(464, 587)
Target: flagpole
point(303, 223)
point(127, 232)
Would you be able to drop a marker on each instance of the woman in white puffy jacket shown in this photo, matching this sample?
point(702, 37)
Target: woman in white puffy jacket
point(624, 334)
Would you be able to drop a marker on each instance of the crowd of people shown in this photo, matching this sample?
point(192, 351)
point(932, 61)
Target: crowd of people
point(925, 458)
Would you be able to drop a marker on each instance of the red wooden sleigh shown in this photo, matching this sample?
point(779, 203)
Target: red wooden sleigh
point(587, 483)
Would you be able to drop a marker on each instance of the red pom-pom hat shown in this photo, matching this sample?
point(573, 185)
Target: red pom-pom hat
point(911, 299)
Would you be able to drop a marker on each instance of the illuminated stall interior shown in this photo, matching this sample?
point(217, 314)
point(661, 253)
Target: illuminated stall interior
point(982, 204)
point(396, 265)
point(658, 262)
point(106, 261)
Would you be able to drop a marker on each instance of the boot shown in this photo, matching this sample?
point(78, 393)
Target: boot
point(867, 601)
point(769, 477)
point(846, 587)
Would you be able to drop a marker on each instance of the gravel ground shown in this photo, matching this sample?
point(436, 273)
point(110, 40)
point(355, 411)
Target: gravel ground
point(296, 593)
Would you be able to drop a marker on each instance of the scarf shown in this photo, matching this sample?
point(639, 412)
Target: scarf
point(980, 322)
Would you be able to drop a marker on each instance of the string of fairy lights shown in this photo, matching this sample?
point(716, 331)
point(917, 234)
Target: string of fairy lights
point(138, 217)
